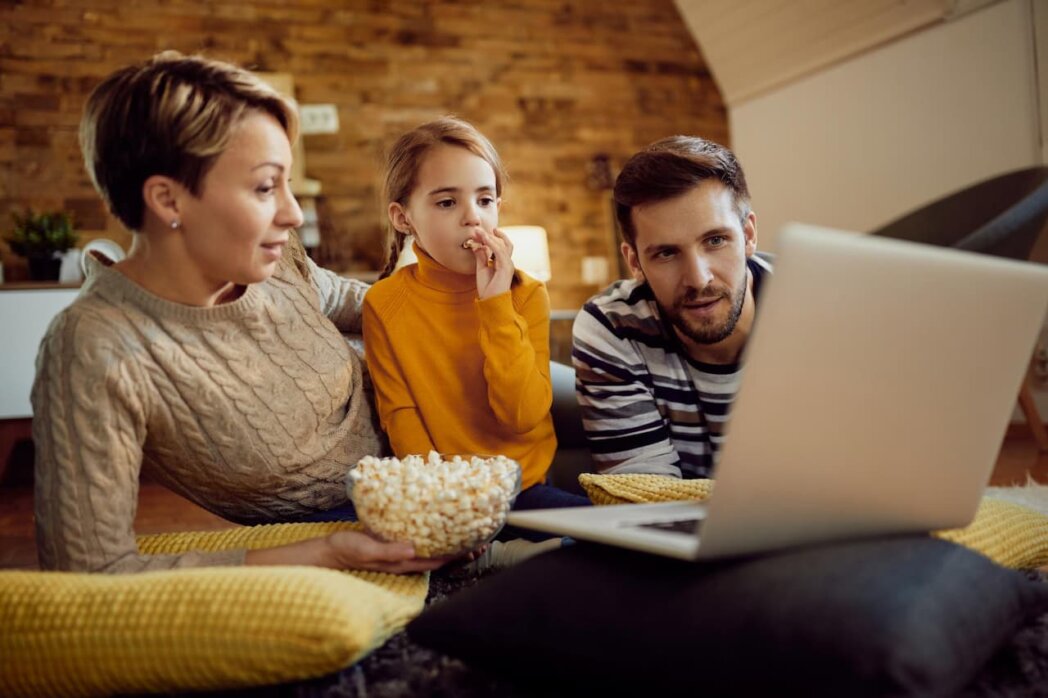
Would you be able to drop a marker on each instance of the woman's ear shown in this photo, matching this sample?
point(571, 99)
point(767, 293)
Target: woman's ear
point(398, 218)
point(161, 197)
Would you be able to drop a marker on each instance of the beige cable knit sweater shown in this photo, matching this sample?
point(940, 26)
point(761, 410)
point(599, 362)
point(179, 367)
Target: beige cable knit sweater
point(253, 409)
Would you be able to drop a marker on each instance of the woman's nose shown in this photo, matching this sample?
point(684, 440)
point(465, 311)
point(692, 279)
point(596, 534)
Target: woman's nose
point(290, 213)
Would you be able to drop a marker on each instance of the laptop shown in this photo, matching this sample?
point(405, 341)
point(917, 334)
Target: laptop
point(879, 381)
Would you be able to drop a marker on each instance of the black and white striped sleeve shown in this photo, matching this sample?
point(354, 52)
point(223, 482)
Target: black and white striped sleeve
point(615, 388)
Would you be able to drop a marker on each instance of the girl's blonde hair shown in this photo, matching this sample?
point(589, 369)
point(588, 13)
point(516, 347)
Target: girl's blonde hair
point(172, 115)
point(405, 160)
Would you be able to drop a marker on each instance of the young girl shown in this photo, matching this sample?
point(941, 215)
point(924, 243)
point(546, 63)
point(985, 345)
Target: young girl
point(458, 344)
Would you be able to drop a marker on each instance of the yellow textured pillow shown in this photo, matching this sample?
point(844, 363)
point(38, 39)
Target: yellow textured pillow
point(68, 634)
point(642, 488)
point(1009, 534)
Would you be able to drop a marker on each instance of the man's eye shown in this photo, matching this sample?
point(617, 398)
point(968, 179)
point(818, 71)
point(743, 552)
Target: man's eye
point(664, 254)
point(716, 240)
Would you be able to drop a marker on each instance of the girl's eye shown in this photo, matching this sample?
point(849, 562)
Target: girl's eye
point(446, 203)
point(487, 200)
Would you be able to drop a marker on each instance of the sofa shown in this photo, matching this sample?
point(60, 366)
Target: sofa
point(572, 457)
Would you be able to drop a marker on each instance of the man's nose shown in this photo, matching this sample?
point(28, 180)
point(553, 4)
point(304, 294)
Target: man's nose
point(697, 271)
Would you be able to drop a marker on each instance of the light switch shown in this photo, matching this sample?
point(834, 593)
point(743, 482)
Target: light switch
point(594, 270)
point(318, 118)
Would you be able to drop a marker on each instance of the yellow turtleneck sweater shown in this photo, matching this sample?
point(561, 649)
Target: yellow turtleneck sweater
point(456, 374)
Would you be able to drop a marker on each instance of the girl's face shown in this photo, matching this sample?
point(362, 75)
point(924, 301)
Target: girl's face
point(454, 194)
point(236, 230)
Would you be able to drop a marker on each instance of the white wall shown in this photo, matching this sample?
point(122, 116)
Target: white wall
point(25, 316)
point(863, 142)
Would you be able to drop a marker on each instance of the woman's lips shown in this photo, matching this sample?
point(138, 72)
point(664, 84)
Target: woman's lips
point(274, 249)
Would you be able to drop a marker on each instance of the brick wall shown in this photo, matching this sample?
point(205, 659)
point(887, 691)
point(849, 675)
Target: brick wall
point(553, 84)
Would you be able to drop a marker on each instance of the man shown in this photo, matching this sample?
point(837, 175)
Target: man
point(657, 357)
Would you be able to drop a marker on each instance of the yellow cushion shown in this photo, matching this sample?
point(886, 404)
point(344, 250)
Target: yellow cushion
point(70, 634)
point(640, 488)
point(1009, 534)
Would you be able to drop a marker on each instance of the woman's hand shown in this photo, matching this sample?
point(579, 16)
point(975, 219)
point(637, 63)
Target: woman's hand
point(494, 256)
point(359, 551)
point(347, 550)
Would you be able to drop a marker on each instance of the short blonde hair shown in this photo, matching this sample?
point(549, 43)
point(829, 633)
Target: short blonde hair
point(405, 160)
point(172, 115)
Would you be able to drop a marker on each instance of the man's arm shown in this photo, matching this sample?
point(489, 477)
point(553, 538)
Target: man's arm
point(626, 431)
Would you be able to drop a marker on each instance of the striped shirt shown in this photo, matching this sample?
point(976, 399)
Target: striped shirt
point(647, 406)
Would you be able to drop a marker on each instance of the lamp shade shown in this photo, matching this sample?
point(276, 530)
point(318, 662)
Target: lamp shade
point(530, 250)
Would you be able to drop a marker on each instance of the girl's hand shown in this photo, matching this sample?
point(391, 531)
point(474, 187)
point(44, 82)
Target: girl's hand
point(494, 257)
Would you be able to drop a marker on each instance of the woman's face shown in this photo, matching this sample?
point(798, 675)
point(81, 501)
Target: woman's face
point(235, 231)
point(455, 194)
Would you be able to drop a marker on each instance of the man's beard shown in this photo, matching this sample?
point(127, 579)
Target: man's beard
point(708, 332)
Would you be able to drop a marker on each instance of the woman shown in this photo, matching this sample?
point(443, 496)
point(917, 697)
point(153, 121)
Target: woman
point(211, 357)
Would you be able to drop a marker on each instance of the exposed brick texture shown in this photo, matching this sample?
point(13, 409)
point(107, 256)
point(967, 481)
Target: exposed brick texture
point(553, 84)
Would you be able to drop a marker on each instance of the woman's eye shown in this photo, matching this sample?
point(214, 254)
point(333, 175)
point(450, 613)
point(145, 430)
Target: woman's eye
point(266, 189)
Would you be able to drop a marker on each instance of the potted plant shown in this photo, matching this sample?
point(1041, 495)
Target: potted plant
point(42, 238)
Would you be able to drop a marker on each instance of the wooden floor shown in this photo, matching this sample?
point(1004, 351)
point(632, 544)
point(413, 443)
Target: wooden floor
point(160, 510)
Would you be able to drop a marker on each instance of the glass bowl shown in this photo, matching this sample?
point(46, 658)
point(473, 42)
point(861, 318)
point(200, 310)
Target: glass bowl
point(445, 505)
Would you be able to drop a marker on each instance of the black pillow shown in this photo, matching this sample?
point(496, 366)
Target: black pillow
point(896, 616)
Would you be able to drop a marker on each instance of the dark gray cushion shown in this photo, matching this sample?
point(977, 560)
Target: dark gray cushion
point(896, 616)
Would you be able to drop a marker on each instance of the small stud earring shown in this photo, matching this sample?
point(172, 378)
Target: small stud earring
point(175, 224)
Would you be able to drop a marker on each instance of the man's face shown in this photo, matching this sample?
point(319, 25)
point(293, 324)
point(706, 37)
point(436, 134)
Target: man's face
point(692, 251)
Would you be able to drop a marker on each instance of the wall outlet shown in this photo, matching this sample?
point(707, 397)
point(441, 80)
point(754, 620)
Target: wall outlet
point(1040, 364)
point(318, 118)
point(594, 270)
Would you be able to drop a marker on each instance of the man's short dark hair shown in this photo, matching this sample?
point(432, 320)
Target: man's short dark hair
point(670, 167)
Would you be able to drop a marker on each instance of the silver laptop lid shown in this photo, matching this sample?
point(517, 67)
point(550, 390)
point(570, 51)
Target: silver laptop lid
point(879, 382)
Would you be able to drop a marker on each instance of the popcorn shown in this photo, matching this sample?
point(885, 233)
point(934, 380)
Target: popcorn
point(443, 507)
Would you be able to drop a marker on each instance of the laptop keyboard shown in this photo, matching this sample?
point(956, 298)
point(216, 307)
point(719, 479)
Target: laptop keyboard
point(689, 526)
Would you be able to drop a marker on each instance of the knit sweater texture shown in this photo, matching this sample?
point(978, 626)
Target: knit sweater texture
point(460, 375)
point(253, 409)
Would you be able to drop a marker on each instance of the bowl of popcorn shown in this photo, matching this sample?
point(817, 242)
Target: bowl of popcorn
point(444, 505)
